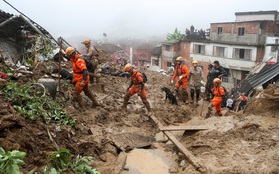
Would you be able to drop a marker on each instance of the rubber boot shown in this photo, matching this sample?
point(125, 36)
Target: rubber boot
point(97, 76)
point(147, 105)
point(197, 101)
point(185, 96)
point(126, 99)
point(90, 95)
point(219, 113)
point(78, 99)
point(208, 114)
point(192, 96)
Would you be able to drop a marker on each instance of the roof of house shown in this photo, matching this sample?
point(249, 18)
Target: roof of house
point(255, 80)
point(256, 12)
point(145, 46)
point(11, 28)
point(254, 21)
point(109, 47)
point(170, 42)
point(156, 50)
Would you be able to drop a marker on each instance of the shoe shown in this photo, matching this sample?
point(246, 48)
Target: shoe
point(207, 115)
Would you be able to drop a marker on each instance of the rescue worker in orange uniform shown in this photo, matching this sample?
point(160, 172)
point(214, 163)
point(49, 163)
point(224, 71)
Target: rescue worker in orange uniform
point(218, 92)
point(181, 74)
point(80, 77)
point(243, 101)
point(136, 86)
point(91, 55)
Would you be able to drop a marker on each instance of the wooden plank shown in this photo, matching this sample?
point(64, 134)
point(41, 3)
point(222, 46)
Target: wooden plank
point(179, 128)
point(120, 163)
point(189, 156)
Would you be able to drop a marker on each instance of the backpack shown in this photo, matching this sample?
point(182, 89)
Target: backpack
point(224, 97)
point(144, 77)
point(89, 65)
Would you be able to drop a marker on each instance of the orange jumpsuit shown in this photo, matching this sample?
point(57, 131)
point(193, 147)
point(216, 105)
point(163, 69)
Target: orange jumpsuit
point(137, 79)
point(218, 92)
point(78, 65)
point(181, 70)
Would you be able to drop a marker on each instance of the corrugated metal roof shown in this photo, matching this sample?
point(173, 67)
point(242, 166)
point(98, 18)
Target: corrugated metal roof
point(253, 81)
point(156, 50)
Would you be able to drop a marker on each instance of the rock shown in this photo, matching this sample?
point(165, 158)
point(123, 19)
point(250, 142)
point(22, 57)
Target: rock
point(173, 169)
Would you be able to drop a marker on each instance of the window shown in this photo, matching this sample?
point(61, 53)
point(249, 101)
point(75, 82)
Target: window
point(199, 49)
point(220, 30)
point(168, 47)
point(241, 31)
point(274, 48)
point(168, 64)
point(155, 62)
point(219, 51)
point(242, 53)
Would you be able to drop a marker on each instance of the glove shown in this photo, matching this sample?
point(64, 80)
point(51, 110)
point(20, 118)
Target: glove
point(171, 81)
point(180, 77)
point(180, 82)
point(202, 82)
point(82, 84)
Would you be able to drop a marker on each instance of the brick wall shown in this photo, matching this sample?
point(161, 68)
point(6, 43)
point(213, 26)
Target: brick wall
point(260, 54)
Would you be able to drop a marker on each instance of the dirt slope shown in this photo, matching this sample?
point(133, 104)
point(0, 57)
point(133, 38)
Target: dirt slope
point(236, 143)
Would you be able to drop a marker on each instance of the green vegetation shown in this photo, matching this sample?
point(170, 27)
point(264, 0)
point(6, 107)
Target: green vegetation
point(61, 163)
point(60, 159)
point(176, 35)
point(6, 70)
point(26, 101)
point(10, 161)
point(80, 165)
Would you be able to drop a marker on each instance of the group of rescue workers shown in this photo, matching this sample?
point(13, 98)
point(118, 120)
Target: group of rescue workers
point(181, 76)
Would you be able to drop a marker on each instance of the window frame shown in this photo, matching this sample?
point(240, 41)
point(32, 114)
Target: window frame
point(240, 31)
point(219, 33)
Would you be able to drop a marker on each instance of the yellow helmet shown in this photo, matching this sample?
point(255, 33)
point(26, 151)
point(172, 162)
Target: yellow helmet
point(70, 50)
point(86, 41)
point(217, 80)
point(179, 58)
point(127, 67)
point(195, 61)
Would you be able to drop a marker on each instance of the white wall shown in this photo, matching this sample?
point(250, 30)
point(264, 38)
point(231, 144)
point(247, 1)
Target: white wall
point(255, 17)
point(268, 54)
point(154, 67)
point(228, 61)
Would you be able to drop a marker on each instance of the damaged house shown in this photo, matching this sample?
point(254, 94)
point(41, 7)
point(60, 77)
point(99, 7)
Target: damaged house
point(18, 37)
point(240, 45)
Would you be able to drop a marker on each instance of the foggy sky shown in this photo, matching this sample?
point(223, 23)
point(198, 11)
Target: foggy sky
point(131, 18)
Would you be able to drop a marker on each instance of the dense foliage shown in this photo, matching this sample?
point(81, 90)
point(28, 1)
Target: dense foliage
point(26, 100)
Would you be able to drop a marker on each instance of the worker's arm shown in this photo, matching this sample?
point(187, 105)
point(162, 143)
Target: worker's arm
point(130, 85)
point(223, 72)
point(85, 73)
point(202, 76)
point(185, 72)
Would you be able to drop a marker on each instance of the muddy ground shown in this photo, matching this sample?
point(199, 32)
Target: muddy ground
point(235, 143)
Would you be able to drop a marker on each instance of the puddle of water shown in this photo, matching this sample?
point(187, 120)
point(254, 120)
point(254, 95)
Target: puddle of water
point(148, 161)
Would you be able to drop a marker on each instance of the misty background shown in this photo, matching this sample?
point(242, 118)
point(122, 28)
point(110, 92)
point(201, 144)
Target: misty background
point(130, 20)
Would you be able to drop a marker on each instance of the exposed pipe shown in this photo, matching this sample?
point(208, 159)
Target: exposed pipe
point(33, 22)
point(8, 20)
point(59, 66)
point(31, 25)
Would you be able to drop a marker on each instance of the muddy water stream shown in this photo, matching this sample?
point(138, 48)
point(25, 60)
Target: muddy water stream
point(149, 161)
